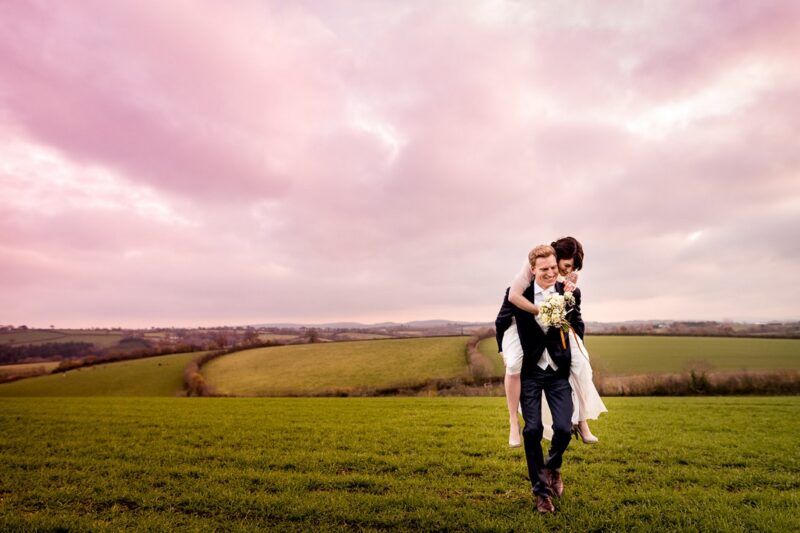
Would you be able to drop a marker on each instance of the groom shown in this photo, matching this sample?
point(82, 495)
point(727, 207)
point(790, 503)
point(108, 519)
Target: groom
point(545, 367)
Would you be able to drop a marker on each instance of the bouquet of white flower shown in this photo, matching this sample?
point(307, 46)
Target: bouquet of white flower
point(553, 312)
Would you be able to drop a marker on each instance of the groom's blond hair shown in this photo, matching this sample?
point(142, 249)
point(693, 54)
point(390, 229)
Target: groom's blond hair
point(543, 250)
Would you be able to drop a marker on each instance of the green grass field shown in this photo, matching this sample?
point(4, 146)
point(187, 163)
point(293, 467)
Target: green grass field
point(620, 355)
point(152, 376)
point(312, 368)
point(432, 464)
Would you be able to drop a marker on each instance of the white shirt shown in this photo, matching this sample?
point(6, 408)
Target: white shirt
point(539, 296)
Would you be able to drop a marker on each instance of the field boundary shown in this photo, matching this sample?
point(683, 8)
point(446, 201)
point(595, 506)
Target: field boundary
point(7, 376)
point(195, 384)
point(767, 383)
point(699, 383)
point(480, 367)
point(693, 383)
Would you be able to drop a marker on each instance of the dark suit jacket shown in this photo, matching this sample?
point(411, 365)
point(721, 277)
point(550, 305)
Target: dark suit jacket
point(503, 320)
point(533, 339)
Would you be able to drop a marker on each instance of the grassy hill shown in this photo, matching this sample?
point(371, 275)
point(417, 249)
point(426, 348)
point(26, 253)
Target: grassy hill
point(389, 464)
point(314, 368)
point(153, 376)
point(621, 355)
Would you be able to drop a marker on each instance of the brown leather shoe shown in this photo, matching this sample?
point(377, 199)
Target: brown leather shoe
point(555, 483)
point(545, 505)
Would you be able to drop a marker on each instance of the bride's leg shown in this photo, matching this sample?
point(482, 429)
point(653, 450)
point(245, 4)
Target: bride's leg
point(578, 408)
point(512, 358)
point(513, 385)
point(586, 433)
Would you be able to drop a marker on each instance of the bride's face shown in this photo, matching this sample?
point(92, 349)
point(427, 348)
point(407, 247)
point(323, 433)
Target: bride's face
point(565, 266)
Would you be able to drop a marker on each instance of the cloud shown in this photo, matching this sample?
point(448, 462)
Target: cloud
point(217, 163)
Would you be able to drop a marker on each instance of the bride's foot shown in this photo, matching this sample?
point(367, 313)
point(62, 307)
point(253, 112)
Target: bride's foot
point(581, 430)
point(514, 439)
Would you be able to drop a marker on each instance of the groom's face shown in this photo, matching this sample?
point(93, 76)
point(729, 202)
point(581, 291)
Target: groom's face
point(545, 271)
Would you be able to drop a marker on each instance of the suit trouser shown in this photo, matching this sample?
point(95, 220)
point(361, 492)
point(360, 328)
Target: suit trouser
point(559, 397)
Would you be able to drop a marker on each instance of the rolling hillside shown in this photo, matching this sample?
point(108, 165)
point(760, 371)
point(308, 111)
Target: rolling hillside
point(153, 376)
point(369, 365)
point(340, 366)
point(621, 355)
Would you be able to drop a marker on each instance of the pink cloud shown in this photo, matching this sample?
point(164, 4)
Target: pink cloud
point(206, 163)
point(142, 89)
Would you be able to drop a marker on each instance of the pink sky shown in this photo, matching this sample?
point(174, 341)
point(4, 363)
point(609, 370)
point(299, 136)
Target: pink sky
point(198, 163)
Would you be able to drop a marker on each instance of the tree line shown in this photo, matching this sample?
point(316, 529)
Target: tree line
point(34, 353)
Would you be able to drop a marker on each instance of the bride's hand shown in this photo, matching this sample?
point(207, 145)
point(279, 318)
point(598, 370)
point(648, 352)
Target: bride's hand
point(572, 277)
point(535, 311)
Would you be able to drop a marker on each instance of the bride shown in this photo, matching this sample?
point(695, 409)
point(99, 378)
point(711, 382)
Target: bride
point(587, 403)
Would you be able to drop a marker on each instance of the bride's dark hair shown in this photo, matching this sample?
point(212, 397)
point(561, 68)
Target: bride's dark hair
point(569, 248)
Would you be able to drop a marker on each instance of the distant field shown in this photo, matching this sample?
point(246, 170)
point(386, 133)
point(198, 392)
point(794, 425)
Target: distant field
point(265, 337)
point(361, 336)
point(22, 368)
point(152, 376)
point(620, 355)
point(312, 368)
point(33, 336)
point(389, 464)
point(156, 334)
point(40, 336)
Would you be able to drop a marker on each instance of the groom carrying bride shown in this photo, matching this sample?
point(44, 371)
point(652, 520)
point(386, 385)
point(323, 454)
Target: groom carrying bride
point(545, 368)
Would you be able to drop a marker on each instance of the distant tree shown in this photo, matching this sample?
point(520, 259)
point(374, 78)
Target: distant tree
point(313, 335)
point(220, 339)
point(251, 336)
point(44, 352)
